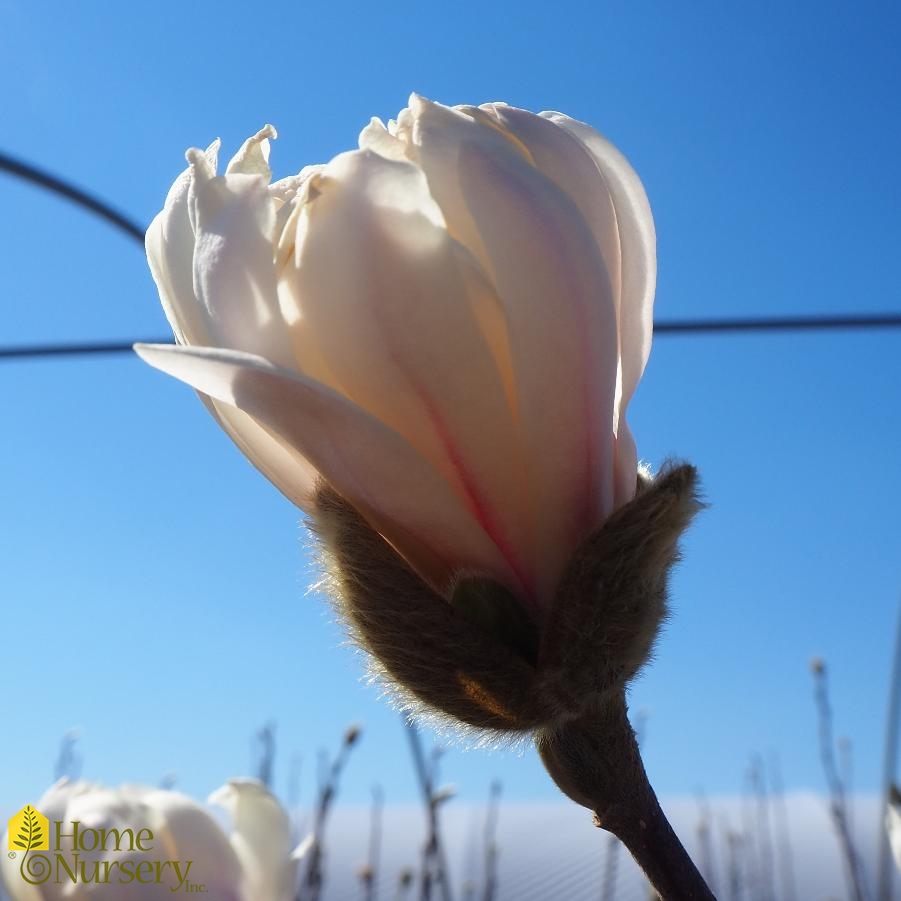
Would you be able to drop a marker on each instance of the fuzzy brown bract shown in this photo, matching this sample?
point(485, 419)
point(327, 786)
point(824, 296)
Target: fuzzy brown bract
point(476, 656)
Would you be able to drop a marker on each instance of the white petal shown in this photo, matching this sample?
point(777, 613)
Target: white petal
point(558, 298)
point(638, 243)
point(234, 269)
point(170, 252)
point(287, 469)
point(368, 463)
point(376, 137)
point(261, 839)
point(253, 157)
point(304, 847)
point(185, 831)
point(433, 135)
point(893, 825)
point(626, 467)
point(566, 161)
point(562, 320)
point(391, 318)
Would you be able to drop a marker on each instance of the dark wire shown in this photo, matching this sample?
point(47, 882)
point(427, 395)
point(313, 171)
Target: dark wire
point(58, 186)
point(673, 327)
point(100, 208)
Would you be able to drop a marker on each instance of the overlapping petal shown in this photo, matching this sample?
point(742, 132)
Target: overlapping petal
point(371, 465)
point(558, 302)
point(381, 294)
point(170, 253)
point(233, 216)
point(638, 245)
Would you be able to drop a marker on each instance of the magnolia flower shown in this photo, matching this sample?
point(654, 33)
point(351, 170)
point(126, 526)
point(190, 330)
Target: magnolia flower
point(252, 864)
point(430, 344)
point(447, 325)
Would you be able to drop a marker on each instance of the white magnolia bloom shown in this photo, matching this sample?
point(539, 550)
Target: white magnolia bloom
point(252, 864)
point(446, 324)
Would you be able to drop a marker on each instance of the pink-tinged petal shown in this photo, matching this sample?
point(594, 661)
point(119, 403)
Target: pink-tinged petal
point(391, 321)
point(170, 252)
point(639, 248)
point(564, 159)
point(234, 270)
point(367, 462)
point(567, 162)
point(562, 322)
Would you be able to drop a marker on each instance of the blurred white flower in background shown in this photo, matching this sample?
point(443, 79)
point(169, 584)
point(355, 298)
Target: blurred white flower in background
point(252, 863)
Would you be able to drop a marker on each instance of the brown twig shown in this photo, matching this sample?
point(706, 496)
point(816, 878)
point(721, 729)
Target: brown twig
point(890, 762)
point(764, 841)
point(837, 791)
point(265, 741)
point(784, 846)
point(491, 852)
point(370, 870)
point(311, 887)
point(434, 864)
point(705, 846)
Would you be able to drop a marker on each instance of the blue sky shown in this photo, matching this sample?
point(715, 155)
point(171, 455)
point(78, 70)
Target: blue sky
point(155, 587)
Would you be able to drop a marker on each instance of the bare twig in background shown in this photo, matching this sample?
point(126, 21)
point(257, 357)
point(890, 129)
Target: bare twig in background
point(404, 885)
point(705, 846)
point(434, 864)
point(845, 748)
point(838, 807)
point(750, 852)
point(68, 760)
point(783, 833)
point(292, 795)
point(369, 871)
point(167, 783)
point(491, 850)
point(889, 765)
point(311, 886)
point(611, 868)
point(735, 843)
point(766, 886)
point(264, 741)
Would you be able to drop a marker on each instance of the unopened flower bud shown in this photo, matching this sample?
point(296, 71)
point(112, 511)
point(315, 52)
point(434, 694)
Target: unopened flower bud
point(481, 658)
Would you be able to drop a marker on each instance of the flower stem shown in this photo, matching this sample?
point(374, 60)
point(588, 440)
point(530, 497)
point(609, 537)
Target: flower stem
point(595, 761)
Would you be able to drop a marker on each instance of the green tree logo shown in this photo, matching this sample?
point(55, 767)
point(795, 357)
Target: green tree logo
point(29, 830)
